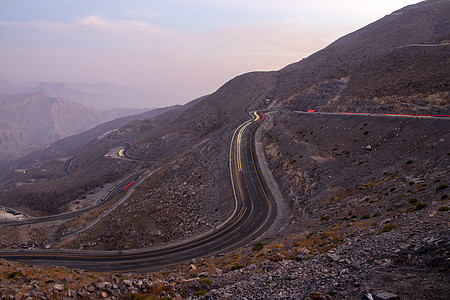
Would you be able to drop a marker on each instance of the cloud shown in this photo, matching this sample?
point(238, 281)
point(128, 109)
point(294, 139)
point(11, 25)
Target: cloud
point(120, 27)
point(137, 53)
point(93, 22)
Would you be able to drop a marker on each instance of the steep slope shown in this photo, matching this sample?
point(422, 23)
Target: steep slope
point(404, 54)
point(13, 139)
point(30, 121)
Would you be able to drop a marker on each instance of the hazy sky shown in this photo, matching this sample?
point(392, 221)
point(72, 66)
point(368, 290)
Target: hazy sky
point(185, 48)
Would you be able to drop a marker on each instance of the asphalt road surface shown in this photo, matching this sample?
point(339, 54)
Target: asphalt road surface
point(255, 211)
point(111, 195)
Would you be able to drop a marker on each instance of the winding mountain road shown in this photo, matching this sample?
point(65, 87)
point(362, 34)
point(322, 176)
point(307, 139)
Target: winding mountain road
point(255, 211)
point(122, 186)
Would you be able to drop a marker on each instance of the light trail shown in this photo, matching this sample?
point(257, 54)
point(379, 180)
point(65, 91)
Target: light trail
point(128, 185)
point(238, 144)
point(256, 116)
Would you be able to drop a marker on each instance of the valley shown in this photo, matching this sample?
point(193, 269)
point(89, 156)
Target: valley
point(253, 214)
point(326, 179)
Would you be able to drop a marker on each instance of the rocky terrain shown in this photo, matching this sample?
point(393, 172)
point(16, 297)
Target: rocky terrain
point(397, 264)
point(368, 194)
point(398, 63)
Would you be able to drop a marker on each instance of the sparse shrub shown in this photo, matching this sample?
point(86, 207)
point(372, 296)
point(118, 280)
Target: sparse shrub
point(443, 197)
point(14, 274)
point(321, 244)
point(337, 241)
point(259, 246)
point(411, 183)
point(444, 208)
point(199, 293)
point(421, 205)
point(441, 187)
point(49, 281)
point(237, 267)
point(376, 215)
point(409, 162)
point(204, 280)
point(413, 200)
point(418, 207)
point(360, 163)
point(366, 132)
point(145, 297)
point(365, 217)
point(387, 228)
point(393, 189)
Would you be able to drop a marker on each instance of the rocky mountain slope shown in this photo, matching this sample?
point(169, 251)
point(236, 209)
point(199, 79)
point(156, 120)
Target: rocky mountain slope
point(399, 63)
point(31, 121)
point(369, 195)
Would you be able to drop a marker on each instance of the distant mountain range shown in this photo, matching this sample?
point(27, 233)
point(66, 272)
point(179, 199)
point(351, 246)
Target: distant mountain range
point(30, 121)
point(101, 95)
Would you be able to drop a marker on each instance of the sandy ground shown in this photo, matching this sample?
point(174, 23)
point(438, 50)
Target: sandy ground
point(93, 197)
point(5, 216)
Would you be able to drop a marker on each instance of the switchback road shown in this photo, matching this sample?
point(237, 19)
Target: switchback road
point(255, 211)
point(123, 185)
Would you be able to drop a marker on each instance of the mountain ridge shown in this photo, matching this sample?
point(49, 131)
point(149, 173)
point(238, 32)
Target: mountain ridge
point(30, 121)
point(100, 95)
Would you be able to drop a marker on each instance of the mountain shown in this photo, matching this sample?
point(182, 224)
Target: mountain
point(102, 95)
point(30, 121)
point(404, 54)
point(74, 144)
point(367, 195)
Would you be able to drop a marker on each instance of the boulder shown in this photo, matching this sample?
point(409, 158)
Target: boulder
point(333, 257)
